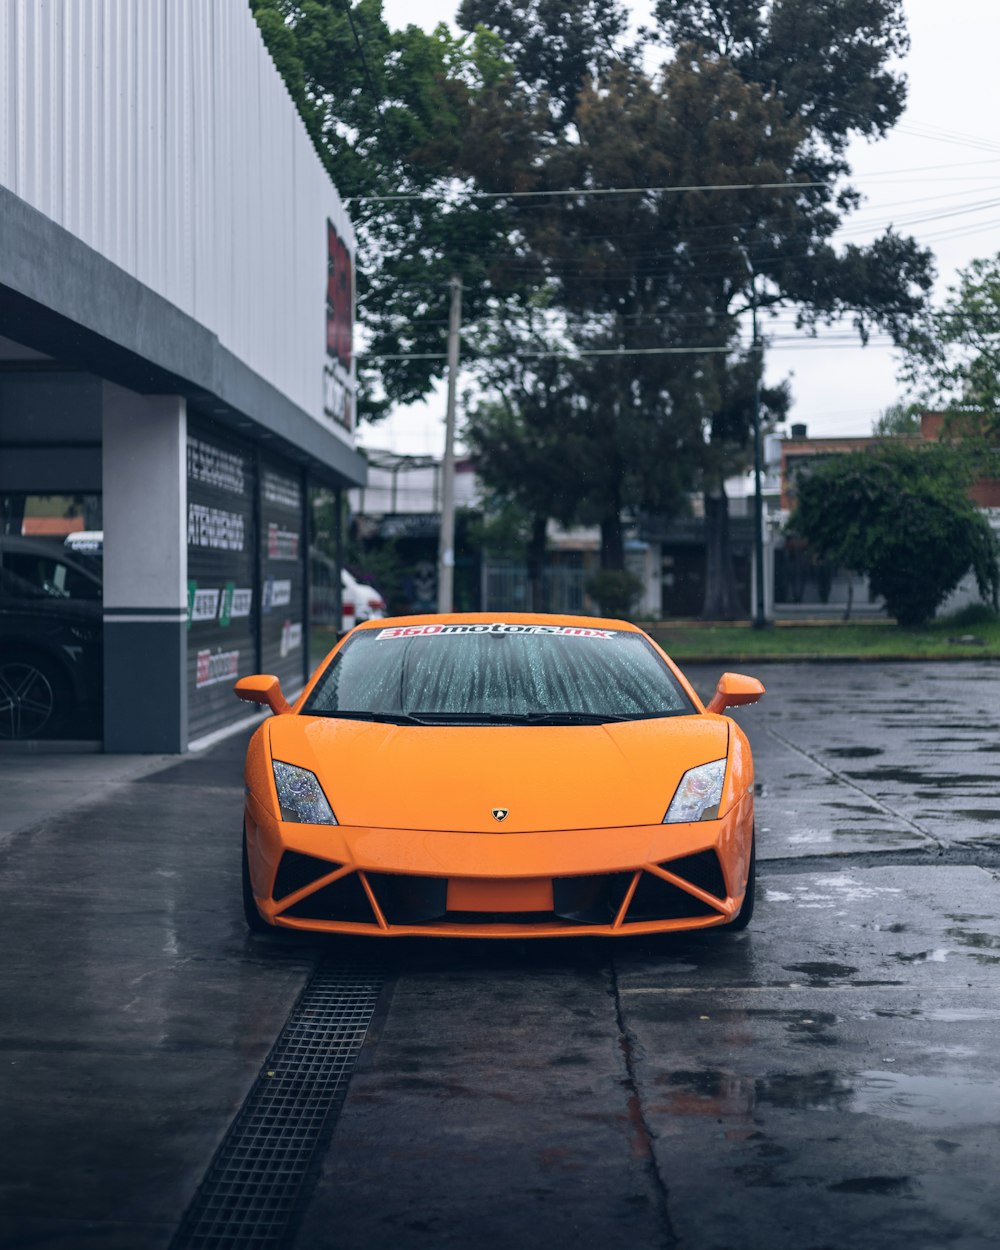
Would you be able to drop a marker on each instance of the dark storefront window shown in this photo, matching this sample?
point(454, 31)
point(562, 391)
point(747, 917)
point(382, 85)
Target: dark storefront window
point(282, 565)
point(222, 624)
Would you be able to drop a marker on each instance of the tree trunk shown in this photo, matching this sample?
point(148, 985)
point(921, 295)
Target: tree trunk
point(536, 565)
point(720, 583)
point(612, 541)
point(850, 598)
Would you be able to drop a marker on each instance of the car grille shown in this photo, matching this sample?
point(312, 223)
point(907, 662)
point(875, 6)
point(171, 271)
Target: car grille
point(297, 871)
point(343, 899)
point(594, 899)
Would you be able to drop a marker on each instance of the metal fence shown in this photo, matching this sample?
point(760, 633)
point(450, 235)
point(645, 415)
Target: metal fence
point(506, 589)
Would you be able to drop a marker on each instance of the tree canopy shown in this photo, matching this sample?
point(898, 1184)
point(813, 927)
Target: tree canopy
point(901, 516)
point(661, 206)
point(953, 352)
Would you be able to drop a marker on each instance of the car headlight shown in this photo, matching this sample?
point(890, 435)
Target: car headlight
point(698, 794)
point(300, 796)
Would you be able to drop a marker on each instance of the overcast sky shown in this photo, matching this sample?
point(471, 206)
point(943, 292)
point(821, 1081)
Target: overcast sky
point(937, 177)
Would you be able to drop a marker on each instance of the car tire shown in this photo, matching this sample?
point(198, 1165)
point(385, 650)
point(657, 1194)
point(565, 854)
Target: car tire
point(255, 921)
point(36, 698)
point(745, 913)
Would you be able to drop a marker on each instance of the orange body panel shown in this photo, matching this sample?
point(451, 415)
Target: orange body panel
point(584, 803)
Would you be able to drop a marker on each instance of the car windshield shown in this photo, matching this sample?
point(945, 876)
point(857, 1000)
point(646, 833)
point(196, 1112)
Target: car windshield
point(497, 673)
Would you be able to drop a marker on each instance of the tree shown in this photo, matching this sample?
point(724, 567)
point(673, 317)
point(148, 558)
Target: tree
point(763, 98)
point(391, 114)
point(901, 516)
point(899, 419)
point(953, 353)
point(648, 291)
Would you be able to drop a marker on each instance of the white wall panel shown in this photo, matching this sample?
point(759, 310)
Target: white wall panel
point(159, 133)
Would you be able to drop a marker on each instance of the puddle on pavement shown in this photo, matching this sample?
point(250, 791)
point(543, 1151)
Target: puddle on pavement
point(926, 1101)
point(821, 973)
point(956, 1015)
point(914, 777)
point(831, 890)
point(980, 944)
point(854, 753)
point(898, 837)
point(872, 1185)
point(981, 814)
point(938, 956)
point(867, 808)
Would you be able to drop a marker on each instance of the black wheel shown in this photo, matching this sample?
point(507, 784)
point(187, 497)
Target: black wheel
point(255, 921)
point(36, 699)
point(745, 913)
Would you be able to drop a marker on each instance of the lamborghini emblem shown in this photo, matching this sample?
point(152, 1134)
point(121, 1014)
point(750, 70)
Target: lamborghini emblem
point(500, 813)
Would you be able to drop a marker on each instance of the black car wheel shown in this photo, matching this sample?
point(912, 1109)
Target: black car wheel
point(255, 921)
point(35, 697)
point(745, 913)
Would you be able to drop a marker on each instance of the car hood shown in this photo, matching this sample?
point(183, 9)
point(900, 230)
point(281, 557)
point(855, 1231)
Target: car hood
point(446, 777)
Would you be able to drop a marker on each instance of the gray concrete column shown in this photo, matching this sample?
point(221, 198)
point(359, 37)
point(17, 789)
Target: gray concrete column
point(144, 469)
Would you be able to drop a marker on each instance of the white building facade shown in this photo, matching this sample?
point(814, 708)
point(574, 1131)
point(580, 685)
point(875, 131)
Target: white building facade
point(176, 359)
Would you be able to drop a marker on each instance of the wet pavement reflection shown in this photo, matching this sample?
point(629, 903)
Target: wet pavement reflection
point(825, 1079)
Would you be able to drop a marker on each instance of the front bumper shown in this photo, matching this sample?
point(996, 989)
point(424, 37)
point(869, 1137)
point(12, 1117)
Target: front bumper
point(427, 883)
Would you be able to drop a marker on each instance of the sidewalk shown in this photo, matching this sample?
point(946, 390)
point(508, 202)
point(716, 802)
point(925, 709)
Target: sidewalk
point(140, 1009)
point(39, 784)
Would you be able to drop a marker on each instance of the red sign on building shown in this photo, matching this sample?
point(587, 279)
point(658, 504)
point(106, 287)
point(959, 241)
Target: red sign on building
point(339, 298)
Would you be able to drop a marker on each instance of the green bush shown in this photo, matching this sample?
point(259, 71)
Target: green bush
point(972, 614)
point(900, 515)
point(616, 590)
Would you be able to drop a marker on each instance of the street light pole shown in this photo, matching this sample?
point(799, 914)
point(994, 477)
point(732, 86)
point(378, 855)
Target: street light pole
point(446, 541)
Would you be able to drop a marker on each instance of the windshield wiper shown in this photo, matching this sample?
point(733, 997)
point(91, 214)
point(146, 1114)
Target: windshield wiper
point(571, 718)
point(382, 718)
point(467, 718)
point(515, 718)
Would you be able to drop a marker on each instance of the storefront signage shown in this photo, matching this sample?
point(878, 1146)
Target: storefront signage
point(277, 593)
point(284, 491)
point(215, 528)
point(282, 544)
point(291, 637)
point(209, 604)
point(216, 667)
point(213, 466)
point(203, 605)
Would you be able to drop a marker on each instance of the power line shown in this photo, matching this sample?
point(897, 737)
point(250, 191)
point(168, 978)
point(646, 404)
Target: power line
point(806, 344)
point(520, 195)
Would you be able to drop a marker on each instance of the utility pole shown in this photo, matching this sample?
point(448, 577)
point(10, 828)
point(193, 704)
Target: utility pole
point(446, 541)
point(759, 617)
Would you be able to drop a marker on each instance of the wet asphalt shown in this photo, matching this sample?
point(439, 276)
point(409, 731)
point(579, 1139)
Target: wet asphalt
point(827, 1079)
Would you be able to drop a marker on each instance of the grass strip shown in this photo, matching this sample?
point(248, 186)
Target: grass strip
point(846, 640)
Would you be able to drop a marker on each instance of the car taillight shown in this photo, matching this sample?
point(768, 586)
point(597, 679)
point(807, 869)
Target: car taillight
point(376, 605)
point(348, 608)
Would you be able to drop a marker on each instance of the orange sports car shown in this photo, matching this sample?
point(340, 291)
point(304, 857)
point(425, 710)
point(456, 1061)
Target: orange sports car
point(476, 776)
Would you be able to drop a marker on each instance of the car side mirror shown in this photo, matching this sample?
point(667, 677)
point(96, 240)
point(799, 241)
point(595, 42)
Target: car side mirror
point(734, 689)
point(265, 689)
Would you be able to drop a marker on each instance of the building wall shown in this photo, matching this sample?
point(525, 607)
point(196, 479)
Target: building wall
point(160, 134)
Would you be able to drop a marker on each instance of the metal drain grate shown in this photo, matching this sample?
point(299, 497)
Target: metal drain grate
point(252, 1187)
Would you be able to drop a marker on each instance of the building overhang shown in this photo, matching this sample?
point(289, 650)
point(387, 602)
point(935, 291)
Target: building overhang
point(61, 297)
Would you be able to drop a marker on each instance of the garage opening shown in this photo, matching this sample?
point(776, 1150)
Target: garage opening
point(51, 641)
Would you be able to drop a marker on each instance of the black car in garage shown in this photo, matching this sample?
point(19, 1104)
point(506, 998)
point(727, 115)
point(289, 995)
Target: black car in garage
point(51, 644)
